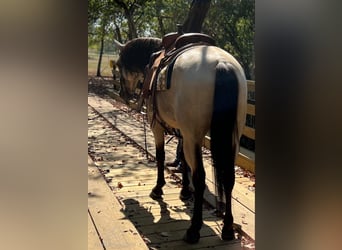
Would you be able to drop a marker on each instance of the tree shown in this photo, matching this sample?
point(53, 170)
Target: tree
point(131, 10)
point(198, 11)
point(98, 20)
point(229, 22)
point(159, 7)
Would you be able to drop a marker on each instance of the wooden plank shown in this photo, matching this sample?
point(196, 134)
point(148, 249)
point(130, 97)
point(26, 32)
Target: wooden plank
point(241, 160)
point(116, 231)
point(167, 215)
point(136, 193)
point(175, 235)
point(243, 217)
point(240, 194)
point(250, 109)
point(171, 225)
point(251, 86)
point(140, 211)
point(94, 242)
point(147, 203)
point(225, 247)
point(245, 162)
point(244, 197)
point(204, 242)
point(240, 191)
point(249, 132)
point(248, 153)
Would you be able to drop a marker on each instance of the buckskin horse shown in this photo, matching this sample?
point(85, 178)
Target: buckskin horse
point(207, 93)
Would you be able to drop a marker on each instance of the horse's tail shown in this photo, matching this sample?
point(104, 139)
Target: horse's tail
point(223, 126)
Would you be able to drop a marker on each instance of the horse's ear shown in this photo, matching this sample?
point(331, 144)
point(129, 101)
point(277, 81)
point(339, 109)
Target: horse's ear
point(119, 45)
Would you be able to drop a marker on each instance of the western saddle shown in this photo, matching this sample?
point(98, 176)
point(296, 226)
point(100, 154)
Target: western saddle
point(174, 44)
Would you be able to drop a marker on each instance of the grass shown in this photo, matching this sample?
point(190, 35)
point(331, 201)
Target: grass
point(93, 58)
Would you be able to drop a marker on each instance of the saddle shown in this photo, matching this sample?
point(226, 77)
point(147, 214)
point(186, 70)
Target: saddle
point(174, 44)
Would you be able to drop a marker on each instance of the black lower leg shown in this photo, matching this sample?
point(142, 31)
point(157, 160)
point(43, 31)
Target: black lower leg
point(185, 192)
point(160, 155)
point(157, 191)
point(199, 184)
point(193, 233)
point(227, 230)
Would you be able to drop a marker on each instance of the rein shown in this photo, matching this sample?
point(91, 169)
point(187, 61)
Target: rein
point(145, 139)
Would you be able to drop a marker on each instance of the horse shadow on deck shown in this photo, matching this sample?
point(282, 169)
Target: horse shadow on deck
point(162, 225)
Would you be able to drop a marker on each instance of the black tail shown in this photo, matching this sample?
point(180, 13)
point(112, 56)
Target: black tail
point(222, 126)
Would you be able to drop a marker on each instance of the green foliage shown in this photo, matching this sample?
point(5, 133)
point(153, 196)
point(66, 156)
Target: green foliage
point(230, 22)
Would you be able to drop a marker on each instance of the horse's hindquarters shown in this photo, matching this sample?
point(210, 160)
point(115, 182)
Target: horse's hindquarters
point(188, 103)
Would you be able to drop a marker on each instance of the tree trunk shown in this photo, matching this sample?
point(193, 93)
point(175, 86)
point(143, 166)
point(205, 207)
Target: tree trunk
point(160, 19)
point(128, 12)
point(198, 11)
point(118, 33)
point(132, 31)
point(100, 57)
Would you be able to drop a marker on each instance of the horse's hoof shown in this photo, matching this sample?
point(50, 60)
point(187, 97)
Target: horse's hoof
point(227, 234)
point(191, 237)
point(156, 194)
point(185, 195)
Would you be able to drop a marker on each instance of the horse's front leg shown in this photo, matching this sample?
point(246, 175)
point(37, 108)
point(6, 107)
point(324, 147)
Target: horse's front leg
point(158, 132)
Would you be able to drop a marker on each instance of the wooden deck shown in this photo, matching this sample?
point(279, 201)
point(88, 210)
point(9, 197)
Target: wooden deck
point(108, 228)
point(121, 213)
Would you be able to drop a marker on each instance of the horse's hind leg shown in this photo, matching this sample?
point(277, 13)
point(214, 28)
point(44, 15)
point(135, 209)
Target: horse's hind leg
point(158, 132)
point(227, 230)
point(198, 176)
point(185, 193)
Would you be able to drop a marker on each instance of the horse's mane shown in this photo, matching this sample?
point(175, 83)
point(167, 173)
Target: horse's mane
point(136, 53)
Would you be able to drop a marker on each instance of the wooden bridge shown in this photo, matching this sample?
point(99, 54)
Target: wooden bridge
point(120, 178)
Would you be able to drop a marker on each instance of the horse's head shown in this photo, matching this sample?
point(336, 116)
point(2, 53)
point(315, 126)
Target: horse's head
point(129, 80)
point(134, 56)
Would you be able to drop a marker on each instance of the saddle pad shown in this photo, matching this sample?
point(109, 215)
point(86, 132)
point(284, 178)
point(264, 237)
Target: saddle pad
point(161, 79)
point(164, 76)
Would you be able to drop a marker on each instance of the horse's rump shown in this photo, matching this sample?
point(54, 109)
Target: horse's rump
point(188, 103)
